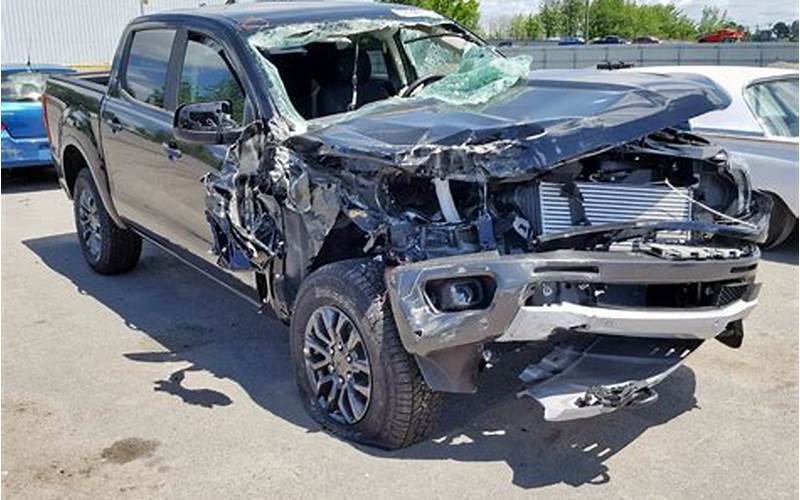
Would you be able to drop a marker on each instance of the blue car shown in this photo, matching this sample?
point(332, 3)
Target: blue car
point(24, 138)
point(572, 40)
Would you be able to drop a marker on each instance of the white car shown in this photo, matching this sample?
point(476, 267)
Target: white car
point(760, 126)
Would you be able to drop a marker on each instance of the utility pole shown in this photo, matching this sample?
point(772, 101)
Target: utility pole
point(586, 22)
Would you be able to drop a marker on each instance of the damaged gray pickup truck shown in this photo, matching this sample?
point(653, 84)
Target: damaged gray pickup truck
point(406, 196)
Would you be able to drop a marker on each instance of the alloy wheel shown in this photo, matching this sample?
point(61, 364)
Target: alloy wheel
point(89, 221)
point(337, 365)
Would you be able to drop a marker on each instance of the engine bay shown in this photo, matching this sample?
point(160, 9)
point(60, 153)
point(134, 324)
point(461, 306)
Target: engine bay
point(660, 195)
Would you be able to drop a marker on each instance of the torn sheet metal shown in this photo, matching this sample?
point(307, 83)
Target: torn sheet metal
point(599, 374)
point(244, 201)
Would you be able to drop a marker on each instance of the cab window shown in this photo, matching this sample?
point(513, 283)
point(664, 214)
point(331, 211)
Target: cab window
point(207, 76)
point(148, 65)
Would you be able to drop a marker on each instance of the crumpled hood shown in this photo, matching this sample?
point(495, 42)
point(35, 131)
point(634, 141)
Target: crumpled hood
point(547, 119)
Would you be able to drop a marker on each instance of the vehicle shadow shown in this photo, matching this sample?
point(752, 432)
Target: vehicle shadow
point(196, 323)
point(29, 179)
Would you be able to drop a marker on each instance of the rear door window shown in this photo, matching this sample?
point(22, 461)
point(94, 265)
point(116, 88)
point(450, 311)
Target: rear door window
point(148, 66)
point(207, 76)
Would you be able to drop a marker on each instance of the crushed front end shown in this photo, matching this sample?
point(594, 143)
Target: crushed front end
point(567, 209)
point(625, 260)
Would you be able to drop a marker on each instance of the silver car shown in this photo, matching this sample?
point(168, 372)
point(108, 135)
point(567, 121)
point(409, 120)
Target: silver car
point(760, 127)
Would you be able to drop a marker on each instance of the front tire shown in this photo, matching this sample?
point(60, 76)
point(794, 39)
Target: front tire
point(354, 375)
point(107, 248)
point(781, 223)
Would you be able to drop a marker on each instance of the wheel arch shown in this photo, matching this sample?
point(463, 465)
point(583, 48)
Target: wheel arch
point(74, 158)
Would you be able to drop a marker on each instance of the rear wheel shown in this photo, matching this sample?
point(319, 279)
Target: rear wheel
point(781, 223)
point(107, 248)
point(354, 376)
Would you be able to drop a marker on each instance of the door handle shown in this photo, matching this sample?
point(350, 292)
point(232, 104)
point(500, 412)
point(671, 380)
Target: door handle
point(114, 124)
point(171, 150)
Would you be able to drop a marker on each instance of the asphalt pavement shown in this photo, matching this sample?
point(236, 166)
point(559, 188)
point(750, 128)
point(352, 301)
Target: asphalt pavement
point(160, 384)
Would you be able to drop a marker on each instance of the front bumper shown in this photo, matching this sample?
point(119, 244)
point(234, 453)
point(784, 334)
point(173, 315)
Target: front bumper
point(25, 152)
point(534, 323)
point(424, 330)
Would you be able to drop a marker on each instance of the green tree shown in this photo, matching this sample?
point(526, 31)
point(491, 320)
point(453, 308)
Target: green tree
point(714, 19)
point(465, 12)
point(551, 17)
point(611, 17)
point(525, 27)
point(662, 21)
point(572, 16)
point(782, 30)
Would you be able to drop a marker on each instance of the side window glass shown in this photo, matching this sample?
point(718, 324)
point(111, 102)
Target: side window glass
point(206, 76)
point(148, 61)
point(775, 105)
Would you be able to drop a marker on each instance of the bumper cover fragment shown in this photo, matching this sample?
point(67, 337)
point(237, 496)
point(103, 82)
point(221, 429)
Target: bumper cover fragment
point(591, 375)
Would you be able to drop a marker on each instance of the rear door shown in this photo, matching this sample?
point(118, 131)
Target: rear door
point(136, 125)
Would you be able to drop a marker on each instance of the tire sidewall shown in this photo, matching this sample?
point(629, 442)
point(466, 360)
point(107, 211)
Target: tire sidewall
point(781, 223)
point(328, 290)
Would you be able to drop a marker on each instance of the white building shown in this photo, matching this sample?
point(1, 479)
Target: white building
point(72, 31)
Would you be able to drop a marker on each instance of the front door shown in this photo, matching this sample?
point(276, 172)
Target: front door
point(205, 75)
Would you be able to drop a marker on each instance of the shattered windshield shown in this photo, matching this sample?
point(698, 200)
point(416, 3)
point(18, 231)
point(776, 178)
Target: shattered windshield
point(332, 68)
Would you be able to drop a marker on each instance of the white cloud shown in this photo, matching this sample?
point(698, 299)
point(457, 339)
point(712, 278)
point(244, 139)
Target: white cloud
point(747, 12)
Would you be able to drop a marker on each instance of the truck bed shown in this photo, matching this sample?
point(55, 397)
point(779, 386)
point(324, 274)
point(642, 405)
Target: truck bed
point(94, 80)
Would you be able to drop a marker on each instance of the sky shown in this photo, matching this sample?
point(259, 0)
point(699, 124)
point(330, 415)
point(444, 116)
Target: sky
point(747, 12)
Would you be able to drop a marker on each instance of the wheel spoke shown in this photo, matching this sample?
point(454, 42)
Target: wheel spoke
point(356, 406)
point(341, 404)
point(328, 319)
point(342, 323)
point(320, 330)
point(313, 343)
point(334, 392)
point(352, 341)
point(359, 365)
point(316, 365)
point(361, 389)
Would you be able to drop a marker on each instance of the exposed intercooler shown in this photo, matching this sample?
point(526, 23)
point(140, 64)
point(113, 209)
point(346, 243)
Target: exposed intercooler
point(599, 203)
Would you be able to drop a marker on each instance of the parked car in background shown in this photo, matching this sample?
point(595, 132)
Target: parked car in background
point(646, 39)
point(761, 127)
point(24, 139)
point(723, 36)
point(610, 40)
point(572, 40)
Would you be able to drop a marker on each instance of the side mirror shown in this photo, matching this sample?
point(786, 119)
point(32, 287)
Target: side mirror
point(206, 123)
